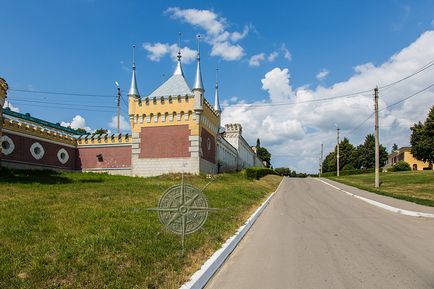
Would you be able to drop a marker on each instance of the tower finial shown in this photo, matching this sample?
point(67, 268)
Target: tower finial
point(133, 87)
point(178, 69)
point(134, 57)
point(198, 84)
point(217, 107)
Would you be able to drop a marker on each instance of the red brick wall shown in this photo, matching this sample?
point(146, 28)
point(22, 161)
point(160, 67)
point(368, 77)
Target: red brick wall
point(164, 142)
point(112, 157)
point(208, 153)
point(21, 153)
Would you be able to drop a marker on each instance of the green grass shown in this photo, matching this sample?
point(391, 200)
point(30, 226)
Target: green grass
point(75, 230)
point(413, 186)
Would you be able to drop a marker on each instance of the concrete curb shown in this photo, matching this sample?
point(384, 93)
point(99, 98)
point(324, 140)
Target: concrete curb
point(202, 276)
point(383, 206)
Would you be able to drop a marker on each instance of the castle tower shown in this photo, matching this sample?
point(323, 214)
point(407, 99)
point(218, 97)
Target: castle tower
point(174, 128)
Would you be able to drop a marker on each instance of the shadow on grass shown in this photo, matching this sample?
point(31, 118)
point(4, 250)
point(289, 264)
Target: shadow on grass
point(32, 176)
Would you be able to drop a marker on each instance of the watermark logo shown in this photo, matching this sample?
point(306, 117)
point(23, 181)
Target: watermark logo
point(183, 209)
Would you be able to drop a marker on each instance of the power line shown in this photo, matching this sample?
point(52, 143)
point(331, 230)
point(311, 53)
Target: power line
point(59, 103)
point(426, 66)
point(57, 107)
point(60, 93)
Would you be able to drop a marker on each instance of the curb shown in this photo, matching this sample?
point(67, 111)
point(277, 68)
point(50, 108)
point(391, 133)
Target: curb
point(199, 279)
point(383, 206)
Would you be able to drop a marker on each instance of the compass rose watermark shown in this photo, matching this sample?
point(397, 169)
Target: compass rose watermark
point(183, 209)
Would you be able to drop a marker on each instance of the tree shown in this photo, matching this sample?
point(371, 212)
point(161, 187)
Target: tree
point(364, 156)
point(346, 157)
point(394, 147)
point(264, 155)
point(258, 143)
point(101, 131)
point(422, 139)
point(82, 130)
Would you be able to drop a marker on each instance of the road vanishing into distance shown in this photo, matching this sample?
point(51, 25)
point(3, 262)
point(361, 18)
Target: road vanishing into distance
point(314, 236)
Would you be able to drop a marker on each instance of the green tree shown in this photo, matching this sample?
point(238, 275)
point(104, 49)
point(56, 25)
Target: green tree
point(394, 148)
point(364, 156)
point(264, 155)
point(82, 130)
point(422, 139)
point(346, 157)
point(101, 131)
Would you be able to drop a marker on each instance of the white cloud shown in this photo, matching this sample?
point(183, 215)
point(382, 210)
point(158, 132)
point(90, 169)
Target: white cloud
point(256, 59)
point(123, 123)
point(237, 36)
point(11, 107)
point(158, 50)
point(227, 51)
point(322, 74)
point(272, 56)
point(77, 122)
point(286, 53)
point(223, 43)
point(294, 132)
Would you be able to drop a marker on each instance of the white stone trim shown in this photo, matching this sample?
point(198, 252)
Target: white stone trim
point(38, 138)
point(11, 147)
point(59, 156)
point(34, 147)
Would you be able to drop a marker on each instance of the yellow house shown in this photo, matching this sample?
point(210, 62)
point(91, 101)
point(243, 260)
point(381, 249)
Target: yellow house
point(404, 154)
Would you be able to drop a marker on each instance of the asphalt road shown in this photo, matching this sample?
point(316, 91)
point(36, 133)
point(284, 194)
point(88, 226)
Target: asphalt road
point(313, 236)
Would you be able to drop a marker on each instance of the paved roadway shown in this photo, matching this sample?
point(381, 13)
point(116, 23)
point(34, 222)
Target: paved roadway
point(313, 236)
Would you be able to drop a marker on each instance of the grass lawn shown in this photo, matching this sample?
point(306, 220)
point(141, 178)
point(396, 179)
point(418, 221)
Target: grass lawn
point(413, 186)
point(76, 230)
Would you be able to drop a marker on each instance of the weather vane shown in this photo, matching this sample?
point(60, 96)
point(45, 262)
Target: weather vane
point(183, 209)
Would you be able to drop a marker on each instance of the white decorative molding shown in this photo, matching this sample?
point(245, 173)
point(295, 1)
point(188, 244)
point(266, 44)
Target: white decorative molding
point(7, 145)
point(37, 150)
point(62, 156)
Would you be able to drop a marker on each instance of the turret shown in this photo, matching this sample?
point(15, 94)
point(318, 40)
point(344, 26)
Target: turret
point(198, 88)
point(217, 107)
point(134, 92)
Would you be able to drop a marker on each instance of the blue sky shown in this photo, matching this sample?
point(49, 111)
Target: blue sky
point(84, 46)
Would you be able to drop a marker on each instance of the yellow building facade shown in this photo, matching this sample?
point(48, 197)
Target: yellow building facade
point(404, 154)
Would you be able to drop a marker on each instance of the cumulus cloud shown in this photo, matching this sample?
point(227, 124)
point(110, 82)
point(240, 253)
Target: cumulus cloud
point(322, 74)
point(123, 124)
point(77, 122)
point(223, 42)
point(292, 123)
point(11, 107)
point(158, 50)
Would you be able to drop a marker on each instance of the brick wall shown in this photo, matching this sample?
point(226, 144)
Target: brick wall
point(208, 146)
point(164, 142)
point(112, 157)
point(22, 155)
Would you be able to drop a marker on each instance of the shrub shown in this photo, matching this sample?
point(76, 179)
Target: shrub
point(400, 166)
point(257, 173)
point(349, 172)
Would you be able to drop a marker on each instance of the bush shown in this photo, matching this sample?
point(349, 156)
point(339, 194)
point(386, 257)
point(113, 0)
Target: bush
point(349, 172)
point(400, 167)
point(257, 173)
point(348, 167)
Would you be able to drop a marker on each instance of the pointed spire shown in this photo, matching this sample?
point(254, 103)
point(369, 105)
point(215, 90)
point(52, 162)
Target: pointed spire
point(198, 84)
point(217, 107)
point(178, 69)
point(133, 87)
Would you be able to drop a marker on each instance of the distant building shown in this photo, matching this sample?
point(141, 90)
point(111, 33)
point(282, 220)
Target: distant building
point(174, 129)
point(404, 154)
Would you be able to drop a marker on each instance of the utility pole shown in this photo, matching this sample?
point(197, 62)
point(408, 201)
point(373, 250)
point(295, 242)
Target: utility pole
point(119, 106)
point(321, 160)
point(377, 141)
point(337, 152)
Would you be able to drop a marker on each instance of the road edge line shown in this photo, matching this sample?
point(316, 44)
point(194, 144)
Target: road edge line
point(199, 279)
point(381, 205)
